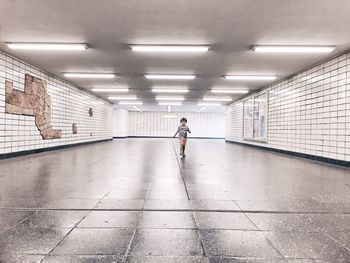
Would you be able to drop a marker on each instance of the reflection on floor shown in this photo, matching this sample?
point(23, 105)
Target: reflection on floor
point(134, 200)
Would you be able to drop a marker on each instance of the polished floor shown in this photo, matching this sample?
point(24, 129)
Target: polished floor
point(135, 200)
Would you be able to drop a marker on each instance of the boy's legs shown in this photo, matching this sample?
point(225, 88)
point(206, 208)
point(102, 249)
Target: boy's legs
point(184, 146)
point(181, 146)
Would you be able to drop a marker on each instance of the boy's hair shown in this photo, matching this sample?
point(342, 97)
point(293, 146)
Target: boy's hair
point(183, 119)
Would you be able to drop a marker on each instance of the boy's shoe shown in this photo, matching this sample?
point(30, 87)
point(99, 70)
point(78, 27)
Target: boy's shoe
point(184, 155)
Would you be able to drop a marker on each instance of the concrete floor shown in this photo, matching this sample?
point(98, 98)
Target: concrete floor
point(134, 200)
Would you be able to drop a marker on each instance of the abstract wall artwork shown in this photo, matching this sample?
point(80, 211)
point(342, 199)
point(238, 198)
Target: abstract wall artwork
point(34, 101)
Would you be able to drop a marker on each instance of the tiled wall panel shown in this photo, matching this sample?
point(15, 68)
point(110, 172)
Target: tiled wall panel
point(308, 113)
point(234, 122)
point(120, 123)
point(202, 124)
point(69, 105)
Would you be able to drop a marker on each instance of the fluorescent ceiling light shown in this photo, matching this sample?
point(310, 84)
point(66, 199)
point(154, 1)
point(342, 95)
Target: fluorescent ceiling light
point(208, 104)
point(90, 75)
point(170, 77)
point(170, 103)
point(168, 48)
point(130, 103)
point(137, 108)
point(47, 46)
point(216, 99)
point(170, 116)
point(169, 90)
point(229, 91)
point(110, 90)
point(122, 98)
point(249, 77)
point(200, 109)
point(170, 98)
point(293, 49)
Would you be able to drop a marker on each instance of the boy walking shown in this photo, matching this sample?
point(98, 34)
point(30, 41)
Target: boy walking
point(182, 130)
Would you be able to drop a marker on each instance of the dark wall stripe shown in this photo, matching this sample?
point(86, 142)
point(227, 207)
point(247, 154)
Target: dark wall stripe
point(60, 147)
point(297, 154)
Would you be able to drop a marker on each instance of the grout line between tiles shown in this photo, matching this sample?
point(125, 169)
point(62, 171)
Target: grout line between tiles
point(258, 229)
point(178, 210)
point(192, 213)
point(336, 241)
point(74, 227)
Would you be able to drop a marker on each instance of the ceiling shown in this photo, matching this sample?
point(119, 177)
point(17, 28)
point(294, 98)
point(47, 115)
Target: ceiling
point(230, 27)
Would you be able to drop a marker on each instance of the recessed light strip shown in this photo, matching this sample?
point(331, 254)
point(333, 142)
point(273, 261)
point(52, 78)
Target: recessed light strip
point(138, 108)
point(110, 90)
point(170, 103)
point(122, 98)
point(229, 91)
point(169, 48)
point(130, 103)
point(170, 98)
point(208, 104)
point(250, 77)
point(201, 109)
point(90, 75)
point(168, 90)
point(170, 77)
point(293, 49)
point(47, 46)
point(170, 116)
point(216, 99)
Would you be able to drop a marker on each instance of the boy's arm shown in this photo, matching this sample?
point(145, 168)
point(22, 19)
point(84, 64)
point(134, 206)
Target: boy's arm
point(178, 129)
point(188, 129)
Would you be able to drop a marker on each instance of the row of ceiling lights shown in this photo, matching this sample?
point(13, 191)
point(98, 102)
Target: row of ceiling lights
point(170, 90)
point(130, 100)
point(138, 108)
point(166, 77)
point(171, 48)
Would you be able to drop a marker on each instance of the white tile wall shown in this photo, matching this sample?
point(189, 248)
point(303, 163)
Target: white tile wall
point(202, 124)
point(120, 123)
point(308, 113)
point(69, 105)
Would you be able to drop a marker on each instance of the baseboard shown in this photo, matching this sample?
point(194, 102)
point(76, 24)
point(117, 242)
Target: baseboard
point(164, 137)
point(60, 147)
point(296, 154)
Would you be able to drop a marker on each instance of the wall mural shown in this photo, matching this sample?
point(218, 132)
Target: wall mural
point(34, 101)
